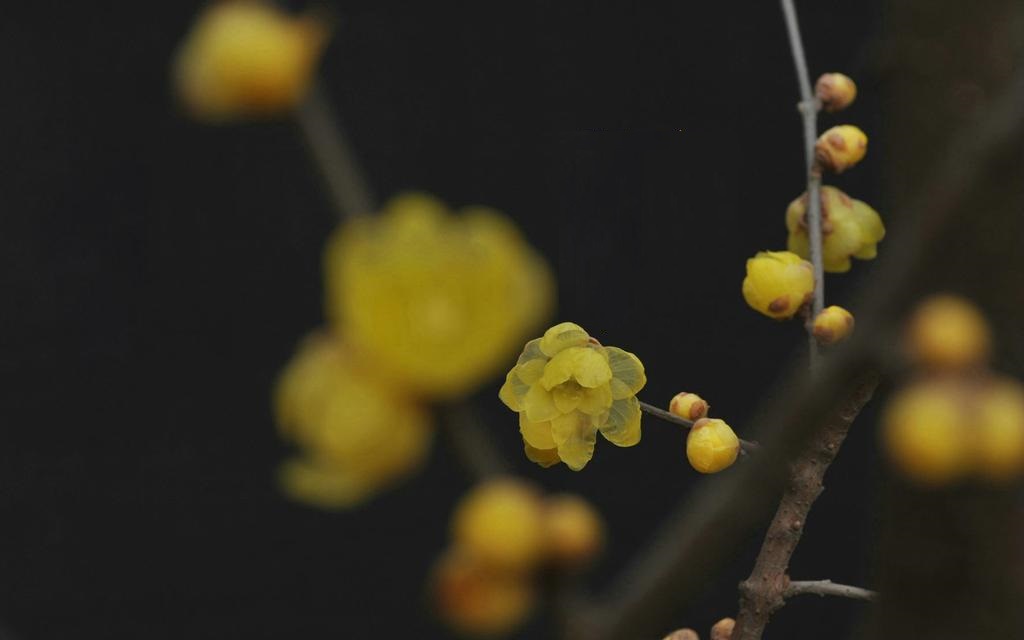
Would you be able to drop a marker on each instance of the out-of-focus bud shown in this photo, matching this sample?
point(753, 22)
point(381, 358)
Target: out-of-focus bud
point(711, 445)
point(923, 432)
point(833, 324)
point(840, 148)
point(688, 406)
point(501, 523)
point(836, 91)
point(246, 59)
point(722, 630)
point(948, 332)
point(476, 600)
point(575, 533)
point(682, 634)
point(997, 436)
point(778, 283)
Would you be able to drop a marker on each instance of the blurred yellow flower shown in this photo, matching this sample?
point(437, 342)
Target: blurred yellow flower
point(998, 439)
point(948, 332)
point(436, 301)
point(246, 58)
point(778, 283)
point(575, 531)
point(477, 600)
point(850, 228)
point(501, 523)
point(356, 435)
point(566, 387)
point(924, 434)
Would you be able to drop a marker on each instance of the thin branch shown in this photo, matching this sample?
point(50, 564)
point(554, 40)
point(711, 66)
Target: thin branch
point(470, 443)
point(332, 153)
point(809, 106)
point(746, 446)
point(828, 588)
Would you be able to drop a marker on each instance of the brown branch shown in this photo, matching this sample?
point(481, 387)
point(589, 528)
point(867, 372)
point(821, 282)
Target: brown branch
point(746, 446)
point(828, 588)
point(764, 591)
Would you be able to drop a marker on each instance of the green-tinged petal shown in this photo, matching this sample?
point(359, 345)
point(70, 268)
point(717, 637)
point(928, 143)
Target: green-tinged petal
point(627, 368)
point(531, 370)
point(575, 436)
point(536, 434)
point(532, 351)
point(597, 400)
point(591, 368)
point(561, 337)
point(544, 457)
point(539, 405)
point(619, 389)
point(567, 396)
point(559, 369)
point(513, 392)
point(623, 425)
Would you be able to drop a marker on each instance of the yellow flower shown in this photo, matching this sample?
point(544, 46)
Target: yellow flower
point(948, 332)
point(834, 324)
point(575, 533)
point(778, 283)
point(477, 600)
point(924, 434)
point(850, 228)
point(567, 387)
point(711, 445)
point(998, 436)
point(356, 435)
point(836, 91)
point(501, 523)
point(246, 58)
point(840, 148)
point(436, 301)
point(688, 406)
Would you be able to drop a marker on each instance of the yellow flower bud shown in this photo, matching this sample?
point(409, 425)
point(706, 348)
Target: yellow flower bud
point(836, 91)
point(501, 523)
point(575, 533)
point(850, 229)
point(840, 148)
point(778, 283)
point(832, 325)
point(688, 406)
point(682, 634)
point(474, 599)
point(948, 332)
point(246, 58)
point(711, 445)
point(998, 431)
point(722, 630)
point(923, 432)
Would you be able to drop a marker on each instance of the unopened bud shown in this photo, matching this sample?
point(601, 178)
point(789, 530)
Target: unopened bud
point(688, 406)
point(682, 634)
point(778, 283)
point(711, 445)
point(836, 91)
point(833, 325)
point(840, 148)
point(723, 629)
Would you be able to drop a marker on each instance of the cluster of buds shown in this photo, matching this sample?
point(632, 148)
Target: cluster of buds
point(721, 630)
point(505, 532)
point(711, 444)
point(956, 419)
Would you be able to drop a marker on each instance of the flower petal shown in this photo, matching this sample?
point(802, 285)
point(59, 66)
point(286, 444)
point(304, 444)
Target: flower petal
point(591, 368)
point(596, 401)
point(532, 351)
point(567, 396)
point(513, 391)
point(539, 405)
point(536, 434)
point(561, 337)
point(623, 425)
point(627, 368)
point(530, 371)
point(544, 457)
point(575, 436)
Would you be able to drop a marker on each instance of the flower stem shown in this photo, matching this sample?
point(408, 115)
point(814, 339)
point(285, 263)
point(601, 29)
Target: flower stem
point(746, 446)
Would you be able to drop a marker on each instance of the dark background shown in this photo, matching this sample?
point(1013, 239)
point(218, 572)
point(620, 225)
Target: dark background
point(157, 274)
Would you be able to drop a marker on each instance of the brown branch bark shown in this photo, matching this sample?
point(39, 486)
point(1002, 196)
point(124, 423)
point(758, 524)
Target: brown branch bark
point(828, 588)
point(764, 591)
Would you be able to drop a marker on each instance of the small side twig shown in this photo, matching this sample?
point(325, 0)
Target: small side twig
point(746, 446)
point(828, 588)
point(471, 445)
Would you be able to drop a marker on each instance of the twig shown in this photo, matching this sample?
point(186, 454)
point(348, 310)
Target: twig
point(332, 153)
point(746, 446)
point(828, 588)
point(809, 106)
point(470, 443)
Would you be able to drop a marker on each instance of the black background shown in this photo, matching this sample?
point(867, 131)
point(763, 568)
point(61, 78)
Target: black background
point(157, 274)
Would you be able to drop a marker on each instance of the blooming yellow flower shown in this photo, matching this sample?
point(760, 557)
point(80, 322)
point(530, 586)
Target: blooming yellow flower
point(246, 58)
point(948, 332)
point(840, 148)
point(567, 387)
point(501, 523)
point(834, 324)
point(850, 228)
point(356, 435)
point(437, 301)
point(711, 445)
point(836, 91)
point(778, 283)
point(475, 599)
